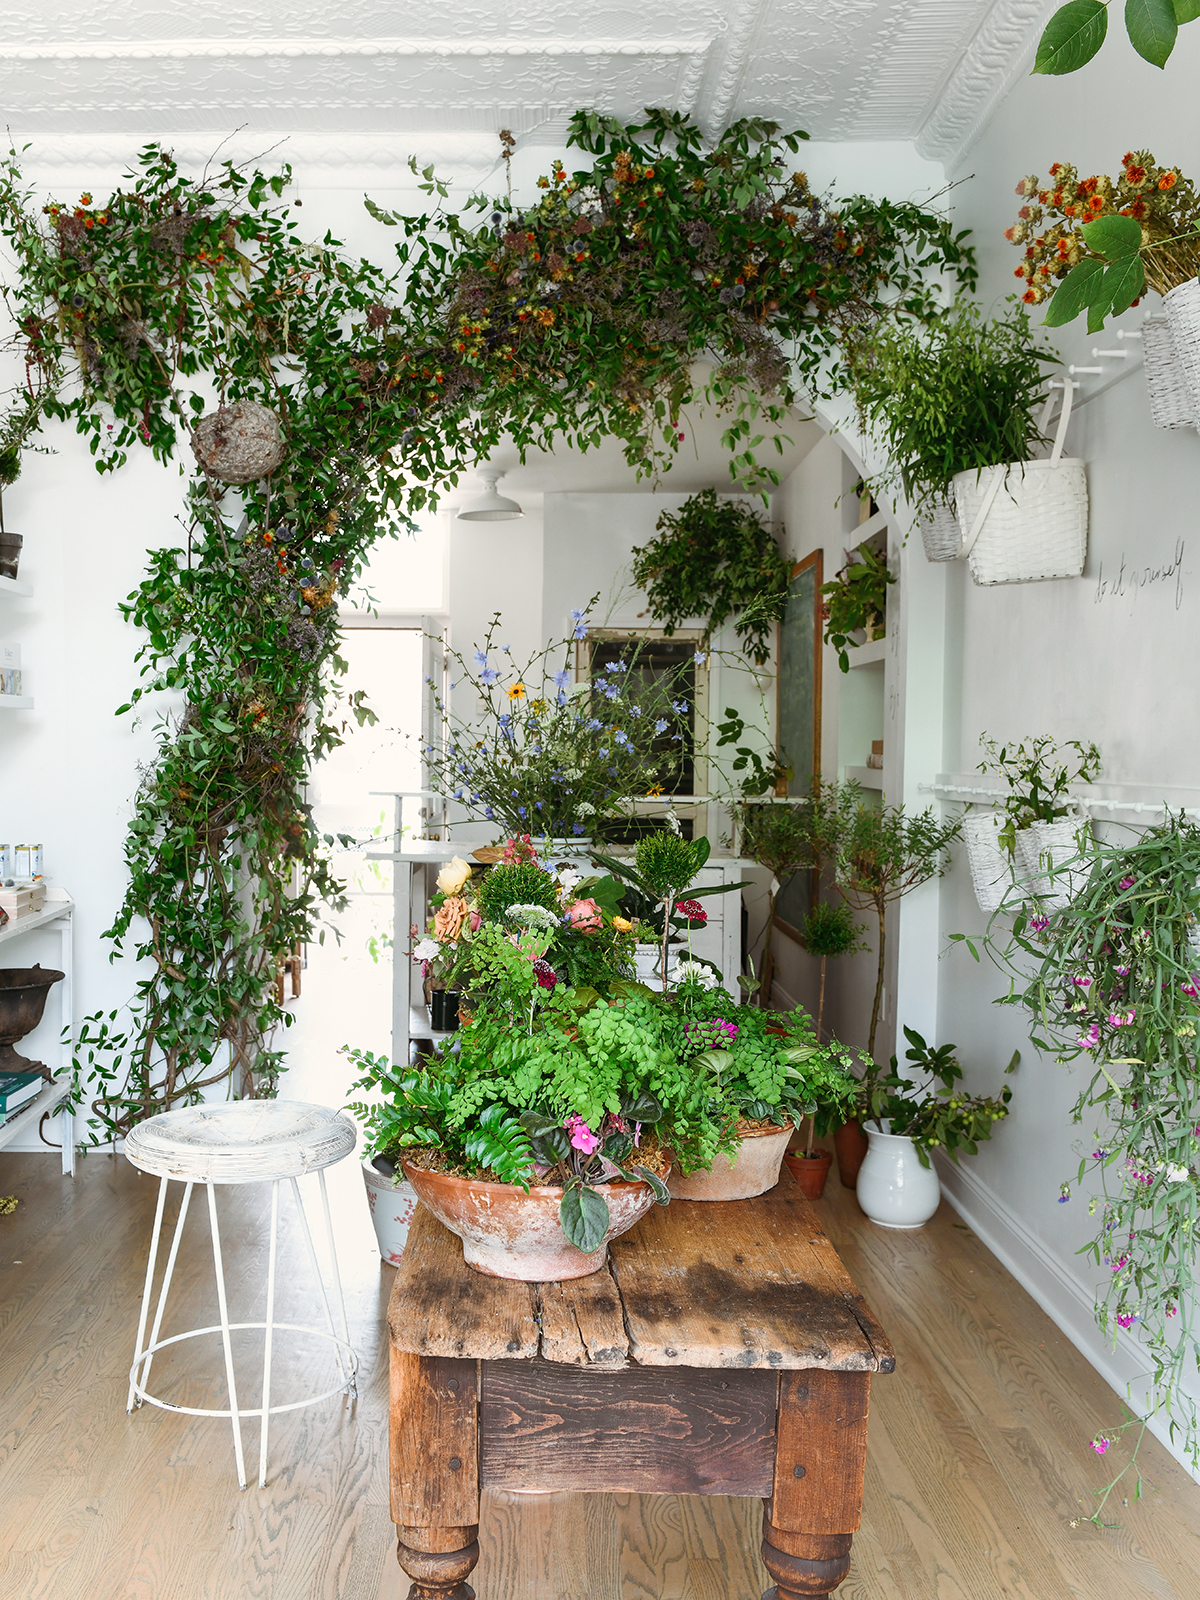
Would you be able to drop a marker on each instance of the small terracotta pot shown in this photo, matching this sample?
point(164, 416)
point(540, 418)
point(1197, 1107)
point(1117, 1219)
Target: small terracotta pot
point(850, 1142)
point(810, 1172)
point(507, 1233)
point(753, 1169)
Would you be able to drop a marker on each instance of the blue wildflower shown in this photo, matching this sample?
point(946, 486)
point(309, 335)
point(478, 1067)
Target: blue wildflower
point(577, 827)
point(481, 658)
point(661, 725)
point(488, 675)
point(562, 679)
point(521, 811)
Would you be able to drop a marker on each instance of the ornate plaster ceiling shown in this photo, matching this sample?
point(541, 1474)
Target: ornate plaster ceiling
point(368, 81)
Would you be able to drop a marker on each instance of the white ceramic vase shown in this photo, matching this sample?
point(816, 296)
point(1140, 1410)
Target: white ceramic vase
point(894, 1189)
point(392, 1204)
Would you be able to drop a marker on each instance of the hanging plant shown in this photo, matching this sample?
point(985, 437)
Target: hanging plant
point(856, 601)
point(716, 556)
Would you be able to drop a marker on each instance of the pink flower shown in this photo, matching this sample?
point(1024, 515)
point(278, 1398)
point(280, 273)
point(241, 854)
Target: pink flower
point(582, 1137)
point(1082, 982)
point(1127, 883)
point(1039, 924)
point(475, 920)
point(1120, 1021)
point(1125, 1319)
point(585, 915)
point(1090, 1039)
point(1172, 1311)
point(1100, 1445)
point(692, 910)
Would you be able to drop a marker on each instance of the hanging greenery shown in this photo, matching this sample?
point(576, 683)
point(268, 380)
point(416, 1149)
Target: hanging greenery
point(716, 556)
point(360, 393)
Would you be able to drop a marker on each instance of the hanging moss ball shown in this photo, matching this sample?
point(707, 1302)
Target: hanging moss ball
point(239, 443)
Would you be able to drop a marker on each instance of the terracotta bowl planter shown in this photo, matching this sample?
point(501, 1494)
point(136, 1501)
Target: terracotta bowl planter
point(810, 1172)
point(753, 1169)
point(507, 1233)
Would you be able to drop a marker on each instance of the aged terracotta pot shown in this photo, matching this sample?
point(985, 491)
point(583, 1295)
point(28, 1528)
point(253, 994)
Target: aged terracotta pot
point(810, 1172)
point(753, 1169)
point(850, 1142)
point(507, 1233)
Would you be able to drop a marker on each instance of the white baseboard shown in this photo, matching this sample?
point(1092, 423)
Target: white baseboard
point(1067, 1302)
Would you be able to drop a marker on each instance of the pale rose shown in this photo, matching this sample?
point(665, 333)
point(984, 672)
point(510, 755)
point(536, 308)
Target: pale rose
point(585, 915)
point(453, 875)
point(449, 917)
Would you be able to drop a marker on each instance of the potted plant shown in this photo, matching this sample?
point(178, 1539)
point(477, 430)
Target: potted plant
point(956, 407)
point(715, 555)
point(1036, 831)
point(10, 543)
point(830, 930)
point(906, 1118)
point(778, 835)
point(887, 853)
point(856, 601)
point(767, 1072)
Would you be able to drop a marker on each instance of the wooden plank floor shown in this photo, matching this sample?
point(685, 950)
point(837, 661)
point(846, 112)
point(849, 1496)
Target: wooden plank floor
point(978, 1466)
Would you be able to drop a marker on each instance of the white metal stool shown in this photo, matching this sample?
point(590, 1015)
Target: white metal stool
point(240, 1141)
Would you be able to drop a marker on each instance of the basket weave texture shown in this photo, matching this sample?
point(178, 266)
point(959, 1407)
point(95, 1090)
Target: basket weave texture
point(941, 535)
point(1182, 304)
point(990, 863)
point(1170, 402)
point(1043, 849)
point(1036, 525)
point(239, 443)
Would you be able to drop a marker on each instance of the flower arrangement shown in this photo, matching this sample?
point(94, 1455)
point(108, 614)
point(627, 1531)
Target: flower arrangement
point(1098, 243)
point(545, 755)
point(1038, 773)
point(950, 1120)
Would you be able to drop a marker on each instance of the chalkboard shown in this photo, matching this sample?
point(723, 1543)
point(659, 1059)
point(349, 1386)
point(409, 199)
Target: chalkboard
point(799, 709)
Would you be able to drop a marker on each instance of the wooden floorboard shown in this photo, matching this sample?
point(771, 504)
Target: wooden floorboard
point(979, 1479)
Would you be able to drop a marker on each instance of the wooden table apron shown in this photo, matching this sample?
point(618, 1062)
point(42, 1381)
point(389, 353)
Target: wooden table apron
point(724, 1351)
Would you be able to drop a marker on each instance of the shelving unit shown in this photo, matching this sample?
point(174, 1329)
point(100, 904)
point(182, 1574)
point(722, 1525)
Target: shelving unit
point(58, 916)
point(865, 777)
point(15, 587)
point(16, 702)
point(871, 654)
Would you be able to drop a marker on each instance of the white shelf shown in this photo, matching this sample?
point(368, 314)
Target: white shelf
point(871, 654)
point(16, 702)
point(15, 586)
point(868, 529)
point(50, 912)
point(50, 1097)
point(866, 777)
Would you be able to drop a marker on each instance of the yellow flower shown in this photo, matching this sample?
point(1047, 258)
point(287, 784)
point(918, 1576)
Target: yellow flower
point(517, 692)
point(621, 925)
point(453, 875)
point(656, 788)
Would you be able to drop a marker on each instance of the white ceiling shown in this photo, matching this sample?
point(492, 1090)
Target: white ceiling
point(366, 76)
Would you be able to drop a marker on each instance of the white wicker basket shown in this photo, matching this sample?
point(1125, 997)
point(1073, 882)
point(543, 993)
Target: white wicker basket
point(1045, 851)
point(941, 535)
point(989, 861)
point(1170, 403)
point(1026, 520)
point(1182, 304)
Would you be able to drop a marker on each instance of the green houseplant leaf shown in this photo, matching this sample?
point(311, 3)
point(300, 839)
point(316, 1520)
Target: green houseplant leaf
point(1081, 287)
point(1152, 26)
point(1113, 237)
point(583, 1214)
point(1072, 37)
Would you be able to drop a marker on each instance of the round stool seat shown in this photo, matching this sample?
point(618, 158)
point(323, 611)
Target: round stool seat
point(240, 1141)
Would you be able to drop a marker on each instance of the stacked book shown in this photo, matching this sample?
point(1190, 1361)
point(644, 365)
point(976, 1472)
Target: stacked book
point(17, 1089)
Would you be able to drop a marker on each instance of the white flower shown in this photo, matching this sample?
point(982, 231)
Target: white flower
point(586, 809)
point(530, 916)
point(453, 875)
point(693, 972)
point(1174, 1174)
point(426, 950)
point(567, 880)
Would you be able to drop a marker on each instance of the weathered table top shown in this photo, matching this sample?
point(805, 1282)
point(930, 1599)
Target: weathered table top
point(749, 1283)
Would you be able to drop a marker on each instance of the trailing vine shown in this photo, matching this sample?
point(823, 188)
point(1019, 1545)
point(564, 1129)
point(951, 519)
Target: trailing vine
point(577, 317)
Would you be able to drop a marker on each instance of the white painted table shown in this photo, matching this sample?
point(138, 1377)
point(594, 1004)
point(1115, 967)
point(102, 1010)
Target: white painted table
point(57, 916)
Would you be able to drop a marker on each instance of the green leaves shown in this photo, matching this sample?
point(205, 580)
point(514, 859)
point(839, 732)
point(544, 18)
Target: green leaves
point(583, 1215)
point(1105, 291)
point(1072, 37)
point(1113, 237)
point(1152, 26)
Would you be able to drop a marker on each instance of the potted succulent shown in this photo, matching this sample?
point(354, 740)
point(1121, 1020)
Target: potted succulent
point(905, 1118)
point(1037, 831)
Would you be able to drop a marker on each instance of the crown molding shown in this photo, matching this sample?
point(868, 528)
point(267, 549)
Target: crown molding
point(1000, 52)
point(291, 49)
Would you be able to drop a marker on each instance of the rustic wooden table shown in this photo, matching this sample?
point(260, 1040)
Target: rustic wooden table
point(724, 1351)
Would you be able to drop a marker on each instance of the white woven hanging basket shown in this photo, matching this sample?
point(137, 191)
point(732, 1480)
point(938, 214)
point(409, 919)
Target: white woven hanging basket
point(1182, 305)
point(989, 861)
point(1170, 402)
point(941, 535)
point(1045, 852)
point(1026, 520)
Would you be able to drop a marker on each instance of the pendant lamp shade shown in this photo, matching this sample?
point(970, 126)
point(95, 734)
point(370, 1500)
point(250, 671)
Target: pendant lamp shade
point(489, 505)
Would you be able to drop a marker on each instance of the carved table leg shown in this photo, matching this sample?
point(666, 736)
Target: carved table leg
point(816, 1500)
point(438, 1561)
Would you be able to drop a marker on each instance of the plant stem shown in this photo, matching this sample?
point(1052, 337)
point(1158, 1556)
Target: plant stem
point(812, 1128)
point(768, 965)
point(668, 906)
point(821, 998)
point(882, 909)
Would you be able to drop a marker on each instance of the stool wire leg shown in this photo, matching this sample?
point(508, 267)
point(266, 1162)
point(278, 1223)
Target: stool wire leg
point(150, 1265)
point(266, 1391)
point(230, 1382)
point(172, 1257)
point(312, 1256)
point(337, 1278)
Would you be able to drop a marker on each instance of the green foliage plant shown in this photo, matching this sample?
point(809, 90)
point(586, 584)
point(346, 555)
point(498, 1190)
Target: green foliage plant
point(716, 556)
point(856, 599)
point(777, 835)
point(886, 853)
point(1097, 244)
point(829, 930)
point(1111, 983)
point(1038, 772)
point(910, 1103)
point(958, 396)
point(1076, 31)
